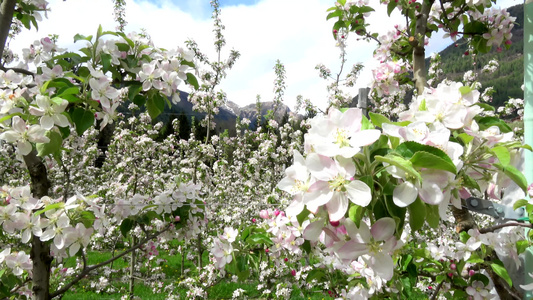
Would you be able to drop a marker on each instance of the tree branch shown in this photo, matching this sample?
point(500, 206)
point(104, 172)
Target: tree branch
point(7, 9)
point(89, 269)
point(500, 226)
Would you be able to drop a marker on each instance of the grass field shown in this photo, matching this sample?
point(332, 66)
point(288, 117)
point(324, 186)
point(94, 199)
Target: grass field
point(170, 265)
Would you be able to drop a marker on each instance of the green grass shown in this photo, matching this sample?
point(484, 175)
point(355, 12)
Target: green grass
point(172, 269)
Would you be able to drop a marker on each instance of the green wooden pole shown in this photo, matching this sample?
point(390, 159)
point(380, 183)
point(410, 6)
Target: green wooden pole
point(528, 118)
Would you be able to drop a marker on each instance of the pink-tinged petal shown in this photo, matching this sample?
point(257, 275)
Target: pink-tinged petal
point(351, 228)
point(348, 152)
point(18, 124)
point(47, 122)
point(312, 231)
point(296, 207)
point(74, 249)
point(431, 193)
point(61, 120)
point(345, 166)
point(392, 130)
point(352, 250)
point(359, 193)
point(337, 206)
point(364, 138)
point(10, 136)
point(322, 167)
point(404, 194)
point(287, 184)
point(351, 119)
point(59, 241)
point(24, 147)
point(318, 194)
point(364, 233)
point(383, 229)
point(382, 264)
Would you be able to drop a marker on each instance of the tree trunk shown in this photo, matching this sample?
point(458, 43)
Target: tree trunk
point(40, 251)
point(419, 52)
point(7, 9)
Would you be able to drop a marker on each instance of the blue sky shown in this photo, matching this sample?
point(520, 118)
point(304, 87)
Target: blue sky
point(294, 31)
point(202, 8)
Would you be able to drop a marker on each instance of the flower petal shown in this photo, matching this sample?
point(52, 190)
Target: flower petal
point(404, 194)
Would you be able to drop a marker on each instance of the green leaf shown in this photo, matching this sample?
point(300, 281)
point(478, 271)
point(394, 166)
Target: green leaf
point(126, 226)
point(432, 215)
point(334, 14)
point(520, 203)
point(466, 138)
point(306, 246)
point(191, 79)
point(79, 37)
point(83, 119)
point(390, 7)
point(417, 214)
point(487, 122)
point(480, 277)
point(521, 246)
point(464, 236)
point(502, 272)
point(106, 61)
point(465, 90)
point(475, 259)
point(51, 147)
point(315, 274)
point(502, 153)
point(134, 90)
point(259, 238)
point(365, 9)
point(378, 119)
point(72, 90)
point(50, 207)
point(155, 105)
point(5, 118)
point(424, 159)
point(485, 106)
point(514, 174)
point(470, 182)
point(401, 163)
point(356, 213)
point(301, 217)
point(365, 124)
point(87, 218)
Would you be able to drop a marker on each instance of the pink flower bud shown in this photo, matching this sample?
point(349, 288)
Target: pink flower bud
point(276, 212)
point(177, 218)
point(254, 220)
point(264, 214)
point(293, 272)
point(453, 266)
point(266, 250)
point(286, 259)
point(334, 223)
point(471, 273)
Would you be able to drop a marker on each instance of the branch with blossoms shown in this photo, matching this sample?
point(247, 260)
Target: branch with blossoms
point(88, 269)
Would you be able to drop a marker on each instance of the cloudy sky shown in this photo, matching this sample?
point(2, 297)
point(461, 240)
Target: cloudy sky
point(294, 31)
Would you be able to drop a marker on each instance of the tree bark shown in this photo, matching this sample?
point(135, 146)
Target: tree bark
point(7, 9)
point(419, 52)
point(40, 251)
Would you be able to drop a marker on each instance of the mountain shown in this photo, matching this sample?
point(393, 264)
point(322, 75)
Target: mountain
point(227, 116)
point(509, 77)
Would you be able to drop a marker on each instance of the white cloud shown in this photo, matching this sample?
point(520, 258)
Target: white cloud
point(295, 32)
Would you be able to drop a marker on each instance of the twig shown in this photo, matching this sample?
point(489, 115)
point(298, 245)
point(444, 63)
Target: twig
point(87, 270)
point(500, 226)
point(436, 292)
